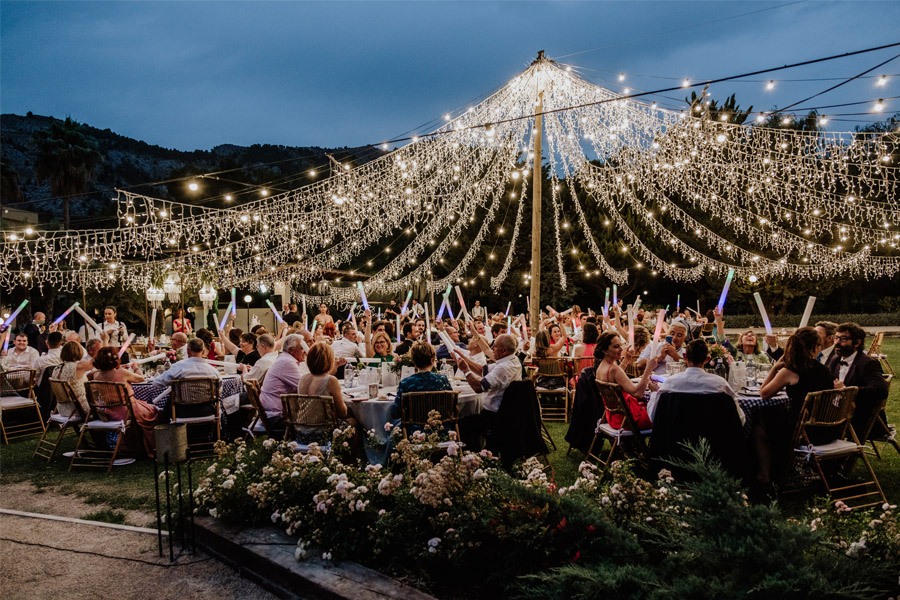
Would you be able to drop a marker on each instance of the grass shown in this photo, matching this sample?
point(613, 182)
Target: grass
point(131, 487)
point(106, 515)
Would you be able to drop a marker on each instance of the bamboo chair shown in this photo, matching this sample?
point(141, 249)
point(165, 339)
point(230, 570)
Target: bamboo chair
point(834, 409)
point(551, 410)
point(64, 394)
point(17, 394)
point(310, 413)
point(195, 395)
point(875, 352)
point(415, 406)
point(101, 396)
point(611, 394)
point(260, 422)
point(879, 419)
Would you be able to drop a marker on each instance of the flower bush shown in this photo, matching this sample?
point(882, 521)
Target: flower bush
point(456, 521)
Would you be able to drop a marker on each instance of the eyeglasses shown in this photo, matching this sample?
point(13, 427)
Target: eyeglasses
point(843, 338)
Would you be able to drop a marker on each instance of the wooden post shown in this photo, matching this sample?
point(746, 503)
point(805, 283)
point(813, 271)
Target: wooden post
point(537, 180)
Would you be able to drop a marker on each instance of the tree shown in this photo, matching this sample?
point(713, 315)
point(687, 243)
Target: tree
point(67, 159)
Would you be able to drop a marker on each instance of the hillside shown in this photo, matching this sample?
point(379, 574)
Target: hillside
point(132, 164)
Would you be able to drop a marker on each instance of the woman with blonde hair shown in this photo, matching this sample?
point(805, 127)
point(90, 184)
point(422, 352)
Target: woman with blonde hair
point(320, 382)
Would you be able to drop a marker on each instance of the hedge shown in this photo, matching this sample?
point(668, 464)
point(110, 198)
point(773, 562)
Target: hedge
point(791, 321)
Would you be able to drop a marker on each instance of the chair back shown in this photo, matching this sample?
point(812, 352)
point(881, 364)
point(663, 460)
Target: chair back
point(875, 348)
point(827, 409)
point(611, 394)
point(252, 386)
point(517, 429)
point(18, 382)
point(550, 367)
point(415, 406)
point(308, 411)
point(63, 393)
point(104, 395)
point(195, 390)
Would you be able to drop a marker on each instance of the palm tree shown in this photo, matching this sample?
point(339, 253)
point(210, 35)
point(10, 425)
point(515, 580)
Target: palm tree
point(67, 159)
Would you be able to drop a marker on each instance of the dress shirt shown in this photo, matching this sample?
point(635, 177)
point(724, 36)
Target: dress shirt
point(825, 354)
point(648, 352)
point(844, 366)
point(188, 368)
point(50, 359)
point(344, 348)
point(261, 367)
point(283, 377)
point(497, 378)
point(694, 380)
point(116, 331)
point(21, 360)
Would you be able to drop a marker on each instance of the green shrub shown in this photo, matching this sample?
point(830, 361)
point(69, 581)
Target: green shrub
point(891, 319)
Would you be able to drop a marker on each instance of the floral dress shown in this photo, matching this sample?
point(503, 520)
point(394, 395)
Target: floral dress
point(67, 372)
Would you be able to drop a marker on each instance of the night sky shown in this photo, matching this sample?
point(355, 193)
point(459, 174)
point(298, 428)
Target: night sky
point(192, 75)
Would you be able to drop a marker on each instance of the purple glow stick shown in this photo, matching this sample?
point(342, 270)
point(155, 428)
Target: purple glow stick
point(60, 318)
point(725, 289)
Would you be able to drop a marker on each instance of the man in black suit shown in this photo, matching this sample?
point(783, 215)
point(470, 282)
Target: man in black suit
point(851, 367)
point(37, 333)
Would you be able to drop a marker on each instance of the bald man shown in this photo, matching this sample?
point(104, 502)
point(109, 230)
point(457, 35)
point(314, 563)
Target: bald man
point(36, 332)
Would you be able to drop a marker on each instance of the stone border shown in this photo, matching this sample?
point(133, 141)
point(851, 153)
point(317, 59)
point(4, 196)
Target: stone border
point(265, 555)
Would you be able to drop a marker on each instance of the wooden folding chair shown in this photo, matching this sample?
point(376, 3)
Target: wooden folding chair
point(260, 422)
point(103, 396)
point(198, 400)
point(415, 406)
point(875, 351)
point(551, 410)
point(304, 414)
point(887, 433)
point(832, 410)
point(636, 447)
point(64, 395)
point(17, 394)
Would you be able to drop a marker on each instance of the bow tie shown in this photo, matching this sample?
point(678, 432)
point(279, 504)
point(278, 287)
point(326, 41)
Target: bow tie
point(844, 363)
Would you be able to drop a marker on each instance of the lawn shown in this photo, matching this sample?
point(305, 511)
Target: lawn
point(131, 487)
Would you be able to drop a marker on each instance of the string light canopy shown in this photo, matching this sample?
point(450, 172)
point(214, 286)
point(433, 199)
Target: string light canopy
point(763, 200)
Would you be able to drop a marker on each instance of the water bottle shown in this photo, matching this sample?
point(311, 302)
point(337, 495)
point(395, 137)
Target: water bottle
point(721, 369)
point(751, 373)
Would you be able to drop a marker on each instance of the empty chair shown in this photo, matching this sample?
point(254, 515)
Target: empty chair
point(554, 401)
point(20, 414)
point(879, 430)
point(104, 396)
point(830, 411)
point(308, 420)
point(518, 430)
point(65, 396)
point(415, 406)
point(197, 401)
point(628, 439)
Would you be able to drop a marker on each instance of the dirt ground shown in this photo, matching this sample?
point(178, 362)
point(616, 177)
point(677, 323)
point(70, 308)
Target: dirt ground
point(51, 559)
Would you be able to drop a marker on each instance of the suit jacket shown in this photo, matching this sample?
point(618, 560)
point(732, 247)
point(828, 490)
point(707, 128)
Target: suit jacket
point(864, 373)
point(36, 339)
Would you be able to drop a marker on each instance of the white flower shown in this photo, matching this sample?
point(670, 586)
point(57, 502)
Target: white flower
point(213, 513)
point(326, 556)
point(268, 443)
point(388, 427)
point(452, 449)
point(479, 474)
point(275, 516)
point(433, 543)
point(228, 483)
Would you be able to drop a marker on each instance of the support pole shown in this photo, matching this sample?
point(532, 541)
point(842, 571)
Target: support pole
point(537, 180)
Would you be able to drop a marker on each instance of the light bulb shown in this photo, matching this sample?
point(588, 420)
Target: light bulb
point(879, 106)
point(881, 81)
point(622, 76)
point(770, 85)
point(193, 186)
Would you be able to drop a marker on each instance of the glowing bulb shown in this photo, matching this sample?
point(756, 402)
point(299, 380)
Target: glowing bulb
point(29, 231)
point(881, 81)
point(721, 138)
point(163, 214)
point(193, 186)
point(686, 82)
point(760, 118)
point(879, 106)
point(823, 120)
point(786, 121)
point(228, 197)
point(770, 85)
point(622, 76)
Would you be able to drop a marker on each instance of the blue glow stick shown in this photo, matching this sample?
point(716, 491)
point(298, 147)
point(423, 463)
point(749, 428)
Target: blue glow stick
point(60, 318)
point(15, 314)
point(362, 294)
point(678, 304)
point(450, 310)
point(225, 315)
point(352, 310)
point(441, 311)
point(274, 311)
point(725, 289)
point(405, 304)
point(234, 302)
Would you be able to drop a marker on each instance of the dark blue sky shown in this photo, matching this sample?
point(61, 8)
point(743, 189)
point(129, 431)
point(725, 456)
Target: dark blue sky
point(196, 74)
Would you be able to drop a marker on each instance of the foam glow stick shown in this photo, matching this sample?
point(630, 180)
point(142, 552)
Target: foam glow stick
point(631, 312)
point(406, 303)
point(303, 297)
point(427, 325)
point(399, 339)
point(692, 310)
point(450, 310)
point(352, 310)
point(274, 311)
point(678, 304)
point(234, 302)
point(762, 311)
point(315, 326)
point(441, 311)
point(151, 358)
point(126, 344)
point(152, 333)
point(6, 340)
point(87, 318)
point(660, 319)
point(728, 279)
point(379, 314)
point(15, 314)
point(362, 294)
point(218, 363)
point(225, 315)
point(524, 331)
point(508, 306)
point(565, 312)
point(528, 301)
point(615, 294)
point(606, 302)
point(462, 304)
point(65, 314)
point(637, 305)
point(698, 308)
point(808, 312)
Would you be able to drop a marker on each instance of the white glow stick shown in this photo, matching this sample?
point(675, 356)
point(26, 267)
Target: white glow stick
point(65, 314)
point(427, 325)
point(303, 297)
point(152, 335)
point(637, 305)
point(660, 319)
point(508, 306)
point(450, 310)
point(315, 326)
point(218, 363)
point(462, 304)
point(524, 331)
point(808, 312)
point(441, 311)
point(126, 344)
point(352, 310)
point(399, 338)
point(693, 311)
point(565, 312)
point(379, 314)
point(234, 302)
point(722, 297)
point(406, 303)
point(225, 316)
point(362, 294)
point(606, 303)
point(87, 318)
point(304, 345)
point(762, 311)
point(274, 311)
point(615, 294)
point(528, 302)
point(15, 314)
point(148, 359)
point(630, 326)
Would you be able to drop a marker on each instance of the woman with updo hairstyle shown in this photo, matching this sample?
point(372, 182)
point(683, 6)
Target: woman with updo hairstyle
point(608, 352)
point(320, 382)
point(424, 379)
point(74, 370)
point(107, 366)
point(207, 337)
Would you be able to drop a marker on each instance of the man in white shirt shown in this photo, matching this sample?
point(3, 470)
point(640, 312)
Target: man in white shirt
point(671, 351)
point(21, 355)
point(493, 379)
point(51, 358)
point(348, 346)
point(695, 380)
point(478, 311)
point(265, 345)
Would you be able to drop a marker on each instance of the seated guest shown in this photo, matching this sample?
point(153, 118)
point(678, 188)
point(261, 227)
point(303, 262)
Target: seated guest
point(348, 346)
point(608, 352)
point(424, 379)
point(51, 358)
point(694, 379)
point(283, 377)
point(21, 355)
point(670, 351)
point(630, 357)
point(319, 381)
point(194, 365)
point(72, 336)
point(409, 338)
point(850, 367)
point(265, 345)
point(245, 352)
point(443, 352)
point(92, 348)
point(178, 342)
point(74, 370)
point(213, 351)
point(585, 350)
point(748, 349)
point(492, 379)
point(145, 415)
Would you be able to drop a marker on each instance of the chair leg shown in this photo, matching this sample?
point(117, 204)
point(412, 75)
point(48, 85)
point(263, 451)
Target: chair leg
point(44, 446)
point(77, 447)
point(875, 449)
point(545, 433)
